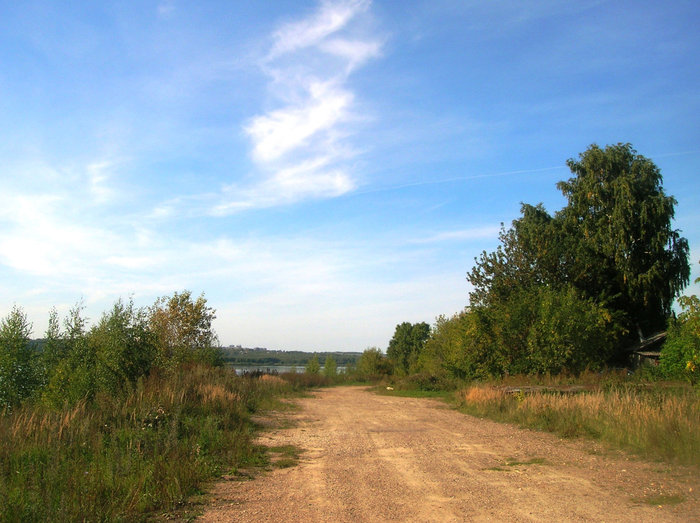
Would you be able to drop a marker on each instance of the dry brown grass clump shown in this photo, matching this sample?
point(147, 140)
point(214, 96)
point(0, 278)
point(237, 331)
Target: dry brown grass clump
point(655, 421)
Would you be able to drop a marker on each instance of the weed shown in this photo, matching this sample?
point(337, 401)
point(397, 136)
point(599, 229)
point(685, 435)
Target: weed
point(662, 499)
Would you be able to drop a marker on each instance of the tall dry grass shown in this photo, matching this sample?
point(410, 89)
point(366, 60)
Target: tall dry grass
point(655, 421)
point(121, 458)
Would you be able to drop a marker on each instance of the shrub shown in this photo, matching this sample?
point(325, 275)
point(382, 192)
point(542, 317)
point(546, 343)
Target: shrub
point(680, 355)
point(19, 373)
point(373, 364)
point(313, 366)
point(330, 368)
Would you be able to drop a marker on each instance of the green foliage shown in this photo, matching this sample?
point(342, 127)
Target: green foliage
point(74, 376)
point(680, 355)
point(122, 457)
point(373, 364)
point(454, 350)
point(569, 333)
point(605, 267)
point(313, 367)
point(183, 330)
point(406, 345)
point(621, 245)
point(124, 347)
point(330, 368)
point(19, 373)
point(535, 330)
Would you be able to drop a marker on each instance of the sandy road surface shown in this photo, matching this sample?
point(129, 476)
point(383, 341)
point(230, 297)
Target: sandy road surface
point(378, 458)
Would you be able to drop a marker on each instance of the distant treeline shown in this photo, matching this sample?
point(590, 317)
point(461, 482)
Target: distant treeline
point(243, 356)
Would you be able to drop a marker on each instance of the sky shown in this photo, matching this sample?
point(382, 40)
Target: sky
point(320, 170)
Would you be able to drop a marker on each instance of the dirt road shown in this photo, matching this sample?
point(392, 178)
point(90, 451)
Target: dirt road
point(369, 457)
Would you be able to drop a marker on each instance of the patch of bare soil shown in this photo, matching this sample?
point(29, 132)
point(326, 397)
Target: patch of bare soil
point(369, 457)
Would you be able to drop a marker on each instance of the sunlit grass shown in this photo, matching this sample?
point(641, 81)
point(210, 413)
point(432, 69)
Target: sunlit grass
point(655, 421)
point(122, 458)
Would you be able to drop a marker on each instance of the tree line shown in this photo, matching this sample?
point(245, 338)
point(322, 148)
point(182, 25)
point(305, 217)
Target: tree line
point(74, 362)
point(571, 290)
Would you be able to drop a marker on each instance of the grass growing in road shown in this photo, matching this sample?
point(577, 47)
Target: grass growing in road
point(655, 421)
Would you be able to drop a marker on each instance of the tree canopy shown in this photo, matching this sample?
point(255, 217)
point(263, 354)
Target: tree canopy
point(611, 246)
point(406, 344)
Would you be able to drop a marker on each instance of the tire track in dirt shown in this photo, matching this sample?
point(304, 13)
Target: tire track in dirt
point(369, 457)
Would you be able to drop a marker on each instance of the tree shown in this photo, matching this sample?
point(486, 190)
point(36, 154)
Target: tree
point(18, 370)
point(406, 344)
point(313, 366)
point(124, 346)
point(529, 255)
point(183, 330)
point(330, 368)
point(624, 250)
point(73, 377)
point(54, 349)
point(373, 363)
point(612, 242)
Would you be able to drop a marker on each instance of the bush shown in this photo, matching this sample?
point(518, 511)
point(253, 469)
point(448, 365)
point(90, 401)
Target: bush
point(680, 355)
point(570, 333)
point(313, 366)
point(19, 372)
point(330, 368)
point(373, 365)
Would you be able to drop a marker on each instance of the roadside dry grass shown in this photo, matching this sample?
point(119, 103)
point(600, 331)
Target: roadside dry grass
point(126, 458)
point(657, 421)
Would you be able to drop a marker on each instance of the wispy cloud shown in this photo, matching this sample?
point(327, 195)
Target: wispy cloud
point(330, 18)
point(302, 147)
point(476, 233)
point(284, 130)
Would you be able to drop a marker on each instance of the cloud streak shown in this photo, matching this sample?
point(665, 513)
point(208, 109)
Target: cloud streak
point(301, 147)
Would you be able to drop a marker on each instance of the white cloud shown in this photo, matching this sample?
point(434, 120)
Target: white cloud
point(283, 130)
point(476, 233)
point(330, 18)
point(97, 174)
point(356, 52)
point(302, 148)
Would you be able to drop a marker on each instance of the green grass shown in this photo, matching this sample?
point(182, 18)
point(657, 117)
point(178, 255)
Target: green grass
point(663, 499)
point(127, 458)
point(415, 393)
point(532, 461)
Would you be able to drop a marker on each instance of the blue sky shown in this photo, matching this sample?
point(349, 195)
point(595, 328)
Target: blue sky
point(320, 170)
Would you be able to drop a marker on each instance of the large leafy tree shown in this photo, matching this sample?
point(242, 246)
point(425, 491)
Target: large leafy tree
point(625, 249)
point(613, 242)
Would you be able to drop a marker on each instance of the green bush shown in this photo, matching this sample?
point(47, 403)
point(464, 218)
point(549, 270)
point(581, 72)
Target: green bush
point(680, 355)
point(373, 365)
point(570, 333)
point(19, 372)
point(536, 330)
point(313, 366)
point(330, 368)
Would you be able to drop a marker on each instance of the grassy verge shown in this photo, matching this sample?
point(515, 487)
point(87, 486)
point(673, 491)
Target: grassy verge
point(127, 458)
point(657, 421)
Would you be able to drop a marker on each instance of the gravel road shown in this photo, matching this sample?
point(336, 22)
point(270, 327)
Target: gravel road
point(369, 457)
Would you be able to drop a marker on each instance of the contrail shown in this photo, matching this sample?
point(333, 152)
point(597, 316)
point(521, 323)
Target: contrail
point(455, 179)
